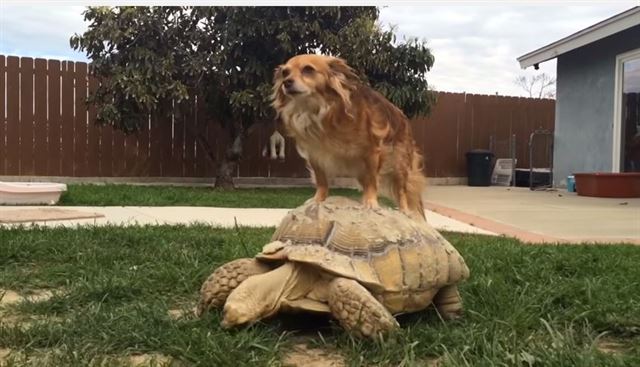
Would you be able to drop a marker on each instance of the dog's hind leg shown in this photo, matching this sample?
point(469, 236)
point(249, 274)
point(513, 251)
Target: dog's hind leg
point(369, 180)
point(400, 193)
point(415, 186)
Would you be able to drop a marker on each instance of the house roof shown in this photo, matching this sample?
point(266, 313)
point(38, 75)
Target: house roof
point(607, 27)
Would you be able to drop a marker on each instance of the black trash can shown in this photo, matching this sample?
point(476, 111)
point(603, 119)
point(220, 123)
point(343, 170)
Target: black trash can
point(479, 167)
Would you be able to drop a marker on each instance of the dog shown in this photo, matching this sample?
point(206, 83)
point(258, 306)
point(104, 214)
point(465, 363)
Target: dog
point(344, 128)
point(276, 147)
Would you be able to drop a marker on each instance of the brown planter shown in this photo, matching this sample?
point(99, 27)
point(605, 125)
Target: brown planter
point(608, 185)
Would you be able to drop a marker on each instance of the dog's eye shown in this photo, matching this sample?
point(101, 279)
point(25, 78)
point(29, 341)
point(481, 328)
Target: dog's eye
point(285, 73)
point(308, 70)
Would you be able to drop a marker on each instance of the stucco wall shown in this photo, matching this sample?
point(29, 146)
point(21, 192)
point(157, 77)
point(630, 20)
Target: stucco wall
point(584, 108)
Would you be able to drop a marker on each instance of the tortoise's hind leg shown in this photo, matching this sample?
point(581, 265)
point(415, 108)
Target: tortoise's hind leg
point(448, 302)
point(226, 278)
point(357, 310)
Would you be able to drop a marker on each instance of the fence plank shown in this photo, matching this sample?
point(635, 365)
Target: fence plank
point(200, 127)
point(80, 122)
point(54, 118)
point(164, 145)
point(12, 163)
point(68, 100)
point(188, 129)
point(142, 137)
point(252, 158)
point(3, 133)
point(93, 135)
point(26, 116)
point(106, 151)
point(118, 154)
point(40, 145)
point(441, 148)
point(213, 134)
point(131, 161)
point(178, 163)
point(155, 165)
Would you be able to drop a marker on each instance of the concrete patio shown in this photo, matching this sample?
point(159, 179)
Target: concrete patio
point(219, 217)
point(539, 216)
point(551, 216)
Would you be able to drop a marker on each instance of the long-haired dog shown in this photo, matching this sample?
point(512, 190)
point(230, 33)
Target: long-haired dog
point(342, 127)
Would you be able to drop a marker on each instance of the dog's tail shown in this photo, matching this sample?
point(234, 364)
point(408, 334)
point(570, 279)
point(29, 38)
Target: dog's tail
point(413, 183)
point(416, 185)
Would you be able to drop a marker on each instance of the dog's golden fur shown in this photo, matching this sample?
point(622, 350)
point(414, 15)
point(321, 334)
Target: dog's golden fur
point(344, 128)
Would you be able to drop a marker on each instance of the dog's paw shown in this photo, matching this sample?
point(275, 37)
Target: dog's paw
point(370, 204)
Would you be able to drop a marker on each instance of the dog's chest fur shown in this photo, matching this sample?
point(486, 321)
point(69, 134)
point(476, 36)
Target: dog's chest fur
point(324, 145)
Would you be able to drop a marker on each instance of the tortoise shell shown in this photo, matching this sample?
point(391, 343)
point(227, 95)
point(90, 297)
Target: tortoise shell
point(402, 261)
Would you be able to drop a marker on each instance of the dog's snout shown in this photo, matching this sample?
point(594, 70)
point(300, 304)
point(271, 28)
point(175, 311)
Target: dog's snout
point(288, 83)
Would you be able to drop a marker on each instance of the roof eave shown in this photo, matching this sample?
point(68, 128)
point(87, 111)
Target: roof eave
point(615, 24)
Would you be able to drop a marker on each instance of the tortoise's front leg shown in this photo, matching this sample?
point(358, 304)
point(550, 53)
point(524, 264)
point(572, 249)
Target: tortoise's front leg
point(226, 278)
point(357, 310)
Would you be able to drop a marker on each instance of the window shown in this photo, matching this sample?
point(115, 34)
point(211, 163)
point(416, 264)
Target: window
point(627, 113)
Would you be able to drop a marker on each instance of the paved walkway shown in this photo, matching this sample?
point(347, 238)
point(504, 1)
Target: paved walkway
point(531, 216)
point(222, 217)
point(540, 216)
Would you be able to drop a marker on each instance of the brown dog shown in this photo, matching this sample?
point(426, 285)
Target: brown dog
point(344, 128)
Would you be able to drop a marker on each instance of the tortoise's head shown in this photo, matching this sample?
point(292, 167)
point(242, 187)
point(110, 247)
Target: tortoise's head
point(249, 302)
point(259, 296)
point(238, 314)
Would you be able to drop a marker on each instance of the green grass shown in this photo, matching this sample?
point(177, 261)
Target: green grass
point(525, 305)
point(138, 195)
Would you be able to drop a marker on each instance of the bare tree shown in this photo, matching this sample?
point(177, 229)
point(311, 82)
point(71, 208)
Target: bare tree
point(538, 86)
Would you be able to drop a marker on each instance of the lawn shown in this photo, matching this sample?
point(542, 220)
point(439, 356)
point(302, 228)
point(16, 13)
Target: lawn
point(119, 292)
point(139, 195)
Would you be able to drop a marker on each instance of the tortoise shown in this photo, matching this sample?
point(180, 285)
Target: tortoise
point(334, 257)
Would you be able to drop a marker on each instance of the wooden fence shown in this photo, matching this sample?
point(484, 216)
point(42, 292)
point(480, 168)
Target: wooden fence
point(46, 129)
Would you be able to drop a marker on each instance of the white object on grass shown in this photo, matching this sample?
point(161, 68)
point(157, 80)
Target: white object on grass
point(30, 193)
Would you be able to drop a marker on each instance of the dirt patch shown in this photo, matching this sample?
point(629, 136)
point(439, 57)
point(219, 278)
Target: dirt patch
point(39, 357)
point(151, 359)
point(430, 362)
point(24, 322)
point(38, 295)
point(43, 215)
point(303, 356)
point(176, 314)
point(9, 317)
point(4, 354)
point(181, 313)
point(10, 320)
point(9, 297)
point(612, 346)
point(186, 311)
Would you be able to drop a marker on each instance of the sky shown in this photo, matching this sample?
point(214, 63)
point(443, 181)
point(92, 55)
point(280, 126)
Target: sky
point(475, 44)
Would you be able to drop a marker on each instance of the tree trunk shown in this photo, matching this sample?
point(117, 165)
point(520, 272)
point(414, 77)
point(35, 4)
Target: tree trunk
point(227, 168)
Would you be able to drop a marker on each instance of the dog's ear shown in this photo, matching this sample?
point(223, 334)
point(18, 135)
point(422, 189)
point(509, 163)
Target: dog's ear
point(277, 96)
point(339, 66)
point(277, 72)
point(342, 80)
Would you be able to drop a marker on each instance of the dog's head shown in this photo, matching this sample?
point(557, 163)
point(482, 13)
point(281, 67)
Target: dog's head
point(313, 76)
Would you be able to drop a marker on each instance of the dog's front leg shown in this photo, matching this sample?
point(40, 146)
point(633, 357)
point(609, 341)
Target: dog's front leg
point(322, 183)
